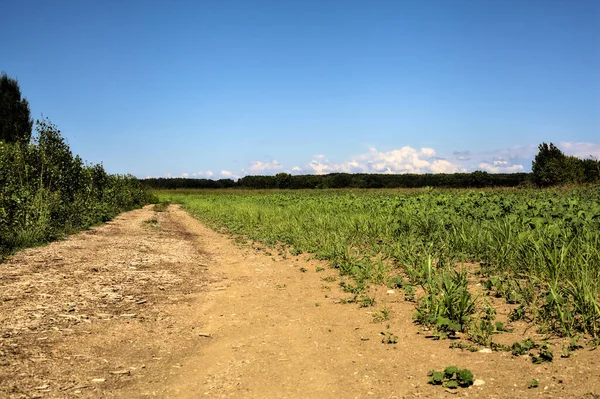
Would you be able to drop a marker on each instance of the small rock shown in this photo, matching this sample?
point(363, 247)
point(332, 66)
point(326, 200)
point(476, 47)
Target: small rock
point(98, 379)
point(485, 350)
point(478, 383)
point(391, 292)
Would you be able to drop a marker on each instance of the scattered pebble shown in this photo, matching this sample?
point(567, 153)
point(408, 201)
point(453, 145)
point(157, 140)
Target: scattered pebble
point(478, 383)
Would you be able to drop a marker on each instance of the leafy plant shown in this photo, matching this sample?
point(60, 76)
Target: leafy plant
point(533, 384)
point(367, 302)
point(452, 377)
point(389, 338)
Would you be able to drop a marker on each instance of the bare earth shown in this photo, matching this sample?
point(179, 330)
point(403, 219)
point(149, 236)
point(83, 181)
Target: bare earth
point(173, 309)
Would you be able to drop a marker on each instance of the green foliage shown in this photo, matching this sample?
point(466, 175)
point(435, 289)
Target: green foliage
point(452, 377)
point(15, 117)
point(395, 282)
point(544, 354)
point(389, 338)
point(447, 303)
point(538, 249)
point(551, 167)
point(533, 384)
point(381, 315)
point(477, 179)
point(46, 192)
point(367, 302)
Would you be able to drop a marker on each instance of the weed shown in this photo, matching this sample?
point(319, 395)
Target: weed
point(533, 384)
point(389, 338)
point(381, 315)
point(447, 302)
point(462, 346)
point(367, 302)
point(544, 355)
point(319, 269)
point(452, 377)
point(303, 269)
point(409, 293)
point(517, 313)
point(295, 251)
point(395, 282)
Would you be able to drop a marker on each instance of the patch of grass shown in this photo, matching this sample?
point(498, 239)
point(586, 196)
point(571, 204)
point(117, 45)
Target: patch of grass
point(367, 302)
point(381, 315)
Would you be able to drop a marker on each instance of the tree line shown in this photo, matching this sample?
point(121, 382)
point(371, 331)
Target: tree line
point(476, 179)
point(549, 168)
point(45, 190)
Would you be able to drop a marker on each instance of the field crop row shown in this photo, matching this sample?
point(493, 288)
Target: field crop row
point(538, 249)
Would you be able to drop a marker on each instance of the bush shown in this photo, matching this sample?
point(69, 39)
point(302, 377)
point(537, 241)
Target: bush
point(46, 192)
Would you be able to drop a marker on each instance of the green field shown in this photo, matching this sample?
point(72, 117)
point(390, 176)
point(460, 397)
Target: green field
point(537, 249)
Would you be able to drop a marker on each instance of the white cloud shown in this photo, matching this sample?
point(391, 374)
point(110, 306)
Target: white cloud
point(259, 166)
point(500, 167)
point(207, 174)
point(226, 173)
point(185, 175)
point(580, 150)
point(403, 160)
point(297, 169)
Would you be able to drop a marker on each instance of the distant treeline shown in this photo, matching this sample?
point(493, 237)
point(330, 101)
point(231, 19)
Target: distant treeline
point(550, 167)
point(476, 179)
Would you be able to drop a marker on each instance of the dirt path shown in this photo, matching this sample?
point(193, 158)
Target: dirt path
point(157, 305)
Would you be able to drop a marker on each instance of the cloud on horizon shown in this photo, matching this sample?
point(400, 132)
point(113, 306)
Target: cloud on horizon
point(580, 150)
point(404, 160)
point(411, 160)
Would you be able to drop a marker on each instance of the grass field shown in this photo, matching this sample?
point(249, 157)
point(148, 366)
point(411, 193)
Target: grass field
point(537, 249)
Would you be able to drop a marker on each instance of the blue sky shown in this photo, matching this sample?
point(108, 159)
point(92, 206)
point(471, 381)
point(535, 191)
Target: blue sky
point(228, 88)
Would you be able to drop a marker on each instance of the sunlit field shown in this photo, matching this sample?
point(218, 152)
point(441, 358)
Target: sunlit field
point(537, 249)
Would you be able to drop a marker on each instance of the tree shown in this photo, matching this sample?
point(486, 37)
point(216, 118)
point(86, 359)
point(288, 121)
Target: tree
point(551, 167)
point(15, 116)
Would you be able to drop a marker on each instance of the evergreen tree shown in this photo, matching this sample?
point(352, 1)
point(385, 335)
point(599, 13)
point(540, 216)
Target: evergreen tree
point(15, 116)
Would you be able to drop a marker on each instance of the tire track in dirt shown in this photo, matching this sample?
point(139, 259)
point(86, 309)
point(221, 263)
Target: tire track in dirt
point(144, 295)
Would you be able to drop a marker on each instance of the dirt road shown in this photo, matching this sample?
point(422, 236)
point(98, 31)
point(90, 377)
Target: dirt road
point(157, 305)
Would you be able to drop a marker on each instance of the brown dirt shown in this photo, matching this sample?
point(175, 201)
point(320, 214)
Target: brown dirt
point(123, 311)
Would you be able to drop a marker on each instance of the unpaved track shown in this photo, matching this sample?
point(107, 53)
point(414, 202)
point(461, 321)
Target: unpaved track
point(123, 311)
